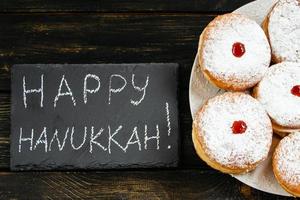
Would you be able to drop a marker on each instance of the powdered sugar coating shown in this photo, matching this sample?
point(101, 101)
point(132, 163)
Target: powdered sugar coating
point(216, 50)
point(287, 159)
point(274, 93)
point(214, 123)
point(284, 30)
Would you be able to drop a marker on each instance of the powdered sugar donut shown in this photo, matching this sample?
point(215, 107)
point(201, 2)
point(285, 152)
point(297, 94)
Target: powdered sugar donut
point(282, 27)
point(286, 163)
point(279, 93)
point(234, 52)
point(232, 133)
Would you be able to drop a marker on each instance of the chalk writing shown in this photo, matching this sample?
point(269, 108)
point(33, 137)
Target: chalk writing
point(136, 141)
point(21, 139)
point(42, 139)
point(94, 116)
point(140, 89)
point(147, 138)
point(93, 139)
point(115, 90)
point(55, 136)
point(168, 121)
point(26, 91)
point(67, 93)
point(91, 91)
point(83, 140)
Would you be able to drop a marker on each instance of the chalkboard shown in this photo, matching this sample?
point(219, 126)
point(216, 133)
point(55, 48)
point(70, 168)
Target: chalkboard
point(94, 116)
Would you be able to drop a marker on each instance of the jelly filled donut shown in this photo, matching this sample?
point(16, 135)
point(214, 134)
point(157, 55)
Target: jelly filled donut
point(282, 26)
point(279, 93)
point(234, 52)
point(232, 133)
point(286, 163)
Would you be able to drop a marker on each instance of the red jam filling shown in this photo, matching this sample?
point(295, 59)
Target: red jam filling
point(296, 90)
point(239, 127)
point(238, 49)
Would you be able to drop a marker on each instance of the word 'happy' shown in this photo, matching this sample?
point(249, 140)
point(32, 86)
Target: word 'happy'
point(64, 89)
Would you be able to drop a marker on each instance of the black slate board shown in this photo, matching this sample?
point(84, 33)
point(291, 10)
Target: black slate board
point(110, 110)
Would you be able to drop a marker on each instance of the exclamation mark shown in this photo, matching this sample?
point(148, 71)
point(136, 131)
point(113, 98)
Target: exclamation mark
point(168, 121)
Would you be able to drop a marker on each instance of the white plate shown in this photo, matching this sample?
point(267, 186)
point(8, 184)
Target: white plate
point(200, 90)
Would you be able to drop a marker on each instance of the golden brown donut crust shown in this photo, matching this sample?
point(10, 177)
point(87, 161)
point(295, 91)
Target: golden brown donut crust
point(265, 25)
point(292, 189)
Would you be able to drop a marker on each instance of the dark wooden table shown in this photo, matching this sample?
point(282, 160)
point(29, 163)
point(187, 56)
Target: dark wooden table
point(111, 31)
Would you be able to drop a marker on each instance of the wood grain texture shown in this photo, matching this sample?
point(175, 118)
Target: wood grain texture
point(120, 6)
point(99, 38)
point(147, 184)
point(4, 130)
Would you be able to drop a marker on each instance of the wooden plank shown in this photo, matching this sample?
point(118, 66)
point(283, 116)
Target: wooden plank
point(4, 130)
point(149, 184)
point(4, 152)
point(188, 157)
point(99, 38)
point(120, 6)
point(4, 113)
